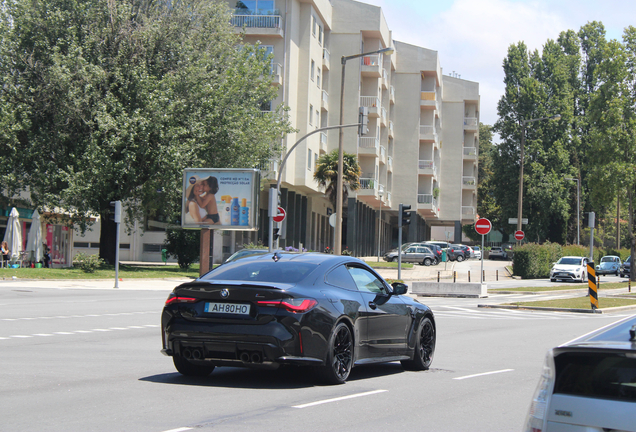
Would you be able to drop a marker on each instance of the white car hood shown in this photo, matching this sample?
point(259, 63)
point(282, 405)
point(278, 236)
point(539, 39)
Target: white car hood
point(566, 268)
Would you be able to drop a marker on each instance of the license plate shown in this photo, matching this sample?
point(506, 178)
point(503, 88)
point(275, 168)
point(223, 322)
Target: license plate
point(228, 308)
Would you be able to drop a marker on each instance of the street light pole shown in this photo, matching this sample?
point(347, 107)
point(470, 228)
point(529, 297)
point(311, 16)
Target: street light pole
point(523, 142)
point(337, 247)
point(578, 207)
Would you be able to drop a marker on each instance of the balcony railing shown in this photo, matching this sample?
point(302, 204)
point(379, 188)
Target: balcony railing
point(369, 101)
point(369, 142)
point(392, 94)
point(427, 130)
point(469, 181)
point(326, 57)
point(390, 128)
point(383, 115)
point(382, 152)
point(468, 210)
point(426, 199)
point(323, 141)
point(426, 164)
point(390, 162)
point(325, 99)
point(470, 121)
point(470, 151)
point(257, 21)
point(385, 78)
point(371, 60)
point(368, 183)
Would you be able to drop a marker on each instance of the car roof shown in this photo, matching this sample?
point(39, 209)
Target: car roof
point(617, 335)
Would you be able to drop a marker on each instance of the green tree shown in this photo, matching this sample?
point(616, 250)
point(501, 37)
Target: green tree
point(613, 130)
point(184, 245)
point(326, 175)
point(111, 100)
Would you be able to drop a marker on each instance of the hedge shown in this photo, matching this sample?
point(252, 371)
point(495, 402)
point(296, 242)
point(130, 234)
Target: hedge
point(533, 261)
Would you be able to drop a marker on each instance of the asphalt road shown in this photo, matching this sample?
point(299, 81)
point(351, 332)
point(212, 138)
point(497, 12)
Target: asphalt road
point(88, 360)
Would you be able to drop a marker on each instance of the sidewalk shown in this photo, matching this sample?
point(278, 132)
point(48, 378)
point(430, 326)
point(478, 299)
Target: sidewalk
point(67, 284)
point(417, 272)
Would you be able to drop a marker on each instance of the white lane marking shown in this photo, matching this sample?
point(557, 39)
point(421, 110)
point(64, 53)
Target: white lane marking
point(78, 332)
point(483, 374)
point(77, 316)
point(179, 429)
point(339, 399)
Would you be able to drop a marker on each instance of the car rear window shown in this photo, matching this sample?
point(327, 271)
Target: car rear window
point(597, 375)
point(260, 271)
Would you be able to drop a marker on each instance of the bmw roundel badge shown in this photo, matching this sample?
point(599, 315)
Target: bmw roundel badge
point(225, 293)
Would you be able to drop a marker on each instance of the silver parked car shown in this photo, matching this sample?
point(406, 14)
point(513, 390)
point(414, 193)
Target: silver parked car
point(414, 253)
point(588, 384)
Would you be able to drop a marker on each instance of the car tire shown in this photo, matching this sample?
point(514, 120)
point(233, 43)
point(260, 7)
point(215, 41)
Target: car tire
point(427, 262)
point(552, 280)
point(394, 259)
point(339, 359)
point(583, 277)
point(184, 367)
point(424, 347)
point(460, 258)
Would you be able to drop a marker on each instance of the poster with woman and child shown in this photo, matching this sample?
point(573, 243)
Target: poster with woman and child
point(220, 198)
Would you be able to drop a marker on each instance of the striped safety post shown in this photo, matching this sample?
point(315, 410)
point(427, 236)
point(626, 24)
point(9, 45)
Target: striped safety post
point(591, 283)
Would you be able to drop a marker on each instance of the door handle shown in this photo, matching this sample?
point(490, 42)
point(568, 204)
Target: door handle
point(372, 305)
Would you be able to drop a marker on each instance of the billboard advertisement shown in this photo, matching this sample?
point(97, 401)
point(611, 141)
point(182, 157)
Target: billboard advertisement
point(220, 198)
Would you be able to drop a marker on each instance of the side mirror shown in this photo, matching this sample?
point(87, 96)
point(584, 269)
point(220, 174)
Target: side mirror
point(399, 288)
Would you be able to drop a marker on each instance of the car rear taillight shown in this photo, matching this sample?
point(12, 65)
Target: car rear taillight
point(296, 305)
point(535, 420)
point(173, 298)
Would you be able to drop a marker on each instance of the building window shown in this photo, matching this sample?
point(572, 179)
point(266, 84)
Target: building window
point(152, 248)
point(315, 159)
point(313, 70)
point(313, 26)
point(311, 114)
point(309, 160)
point(320, 34)
point(261, 7)
point(317, 118)
point(318, 77)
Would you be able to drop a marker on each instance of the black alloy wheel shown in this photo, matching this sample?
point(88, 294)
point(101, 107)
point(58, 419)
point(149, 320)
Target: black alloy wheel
point(188, 369)
point(424, 347)
point(340, 355)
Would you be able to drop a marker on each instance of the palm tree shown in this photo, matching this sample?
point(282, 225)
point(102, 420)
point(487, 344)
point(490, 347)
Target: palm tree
point(326, 175)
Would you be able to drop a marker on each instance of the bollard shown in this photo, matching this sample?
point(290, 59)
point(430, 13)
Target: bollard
point(483, 276)
point(629, 285)
point(454, 276)
point(438, 276)
point(497, 276)
point(469, 276)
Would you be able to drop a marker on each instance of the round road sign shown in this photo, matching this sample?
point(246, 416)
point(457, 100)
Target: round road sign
point(280, 216)
point(519, 235)
point(483, 226)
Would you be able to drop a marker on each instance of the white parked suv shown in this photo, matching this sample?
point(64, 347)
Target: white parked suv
point(588, 384)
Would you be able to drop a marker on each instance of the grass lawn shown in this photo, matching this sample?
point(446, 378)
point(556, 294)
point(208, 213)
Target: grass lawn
point(105, 272)
point(604, 286)
point(384, 264)
point(578, 303)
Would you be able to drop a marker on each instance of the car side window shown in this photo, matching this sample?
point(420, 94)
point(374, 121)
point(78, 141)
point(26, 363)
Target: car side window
point(366, 281)
point(411, 250)
point(341, 278)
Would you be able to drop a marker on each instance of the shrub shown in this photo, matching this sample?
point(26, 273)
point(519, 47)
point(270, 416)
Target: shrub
point(183, 245)
point(88, 263)
point(531, 260)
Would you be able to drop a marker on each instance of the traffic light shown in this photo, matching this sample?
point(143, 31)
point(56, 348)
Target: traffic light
point(115, 211)
point(405, 215)
point(276, 234)
point(363, 119)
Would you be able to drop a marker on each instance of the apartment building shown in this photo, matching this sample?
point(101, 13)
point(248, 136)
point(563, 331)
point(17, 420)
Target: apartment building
point(422, 144)
point(421, 148)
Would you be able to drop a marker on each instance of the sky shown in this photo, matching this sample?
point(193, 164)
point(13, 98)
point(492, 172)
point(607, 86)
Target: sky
point(472, 36)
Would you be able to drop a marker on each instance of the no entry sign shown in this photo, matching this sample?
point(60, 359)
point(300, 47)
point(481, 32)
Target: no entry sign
point(280, 216)
point(519, 235)
point(483, 226)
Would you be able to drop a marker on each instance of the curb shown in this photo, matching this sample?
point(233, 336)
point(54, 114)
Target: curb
point(540, 308)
